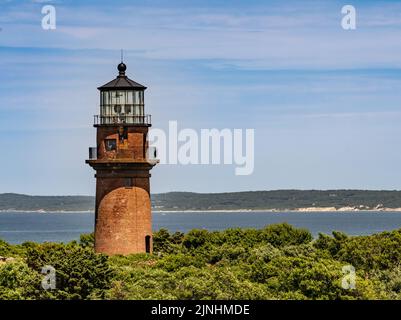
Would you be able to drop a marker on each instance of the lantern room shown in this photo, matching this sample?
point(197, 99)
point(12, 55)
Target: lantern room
point(122, 102)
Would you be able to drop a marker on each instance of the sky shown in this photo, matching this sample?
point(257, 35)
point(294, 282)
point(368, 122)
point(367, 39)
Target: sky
point(325, 103)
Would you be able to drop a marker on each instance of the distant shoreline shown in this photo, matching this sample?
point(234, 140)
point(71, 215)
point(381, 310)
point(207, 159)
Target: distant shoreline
point(273, 201)
point(46, 211)
point(297, 210)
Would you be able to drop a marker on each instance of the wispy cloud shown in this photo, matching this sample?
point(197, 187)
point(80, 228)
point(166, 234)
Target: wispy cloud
point(272, 37)
point(318, 97)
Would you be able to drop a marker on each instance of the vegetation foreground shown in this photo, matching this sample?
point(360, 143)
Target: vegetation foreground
point(277, 262)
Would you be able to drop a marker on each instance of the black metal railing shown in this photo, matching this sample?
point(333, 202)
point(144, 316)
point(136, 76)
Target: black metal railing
point(122, 119)
point(145, 153)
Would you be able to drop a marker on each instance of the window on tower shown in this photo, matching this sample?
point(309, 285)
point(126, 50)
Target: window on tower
point(128, 182)
point(110, 144)
point(117, 109)
point(128, 109)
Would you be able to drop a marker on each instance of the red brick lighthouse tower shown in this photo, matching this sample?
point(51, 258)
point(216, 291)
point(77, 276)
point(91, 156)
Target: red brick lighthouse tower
point(122, 160)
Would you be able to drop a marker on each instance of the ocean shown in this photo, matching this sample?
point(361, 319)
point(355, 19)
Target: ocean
point(18, 227)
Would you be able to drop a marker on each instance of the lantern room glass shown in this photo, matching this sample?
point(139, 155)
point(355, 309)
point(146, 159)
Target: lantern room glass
point(122, 106)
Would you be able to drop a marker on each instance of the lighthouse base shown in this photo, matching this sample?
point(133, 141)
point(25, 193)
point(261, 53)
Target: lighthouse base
point(123, 217)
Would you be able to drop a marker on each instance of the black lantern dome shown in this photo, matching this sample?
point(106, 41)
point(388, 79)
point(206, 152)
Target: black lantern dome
point(122, 82)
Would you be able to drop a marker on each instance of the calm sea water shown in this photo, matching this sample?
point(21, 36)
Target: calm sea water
point(17, 227)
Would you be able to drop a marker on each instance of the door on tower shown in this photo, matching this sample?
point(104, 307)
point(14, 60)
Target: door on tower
point(147, 244)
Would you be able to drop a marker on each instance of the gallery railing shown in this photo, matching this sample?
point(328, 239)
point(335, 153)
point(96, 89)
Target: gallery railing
point(122, 119)
point(149, 153)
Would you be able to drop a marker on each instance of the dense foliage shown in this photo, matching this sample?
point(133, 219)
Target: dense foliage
point(275, 199)
point(276, 262)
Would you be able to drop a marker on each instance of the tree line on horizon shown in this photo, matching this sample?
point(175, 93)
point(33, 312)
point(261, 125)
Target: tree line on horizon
point(252, 200)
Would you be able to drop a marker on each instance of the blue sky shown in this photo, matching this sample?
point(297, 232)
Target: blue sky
point(325, 103)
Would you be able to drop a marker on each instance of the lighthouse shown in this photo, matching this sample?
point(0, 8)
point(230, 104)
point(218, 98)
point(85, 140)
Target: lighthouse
point(122, 160)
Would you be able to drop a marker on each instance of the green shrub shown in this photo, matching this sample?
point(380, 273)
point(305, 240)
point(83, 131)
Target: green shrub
point(195, 238)
point(276, 262)
point(164, 242)
point(280, 235)
point(17, 281)
point(87, 240)
point(80, 273)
